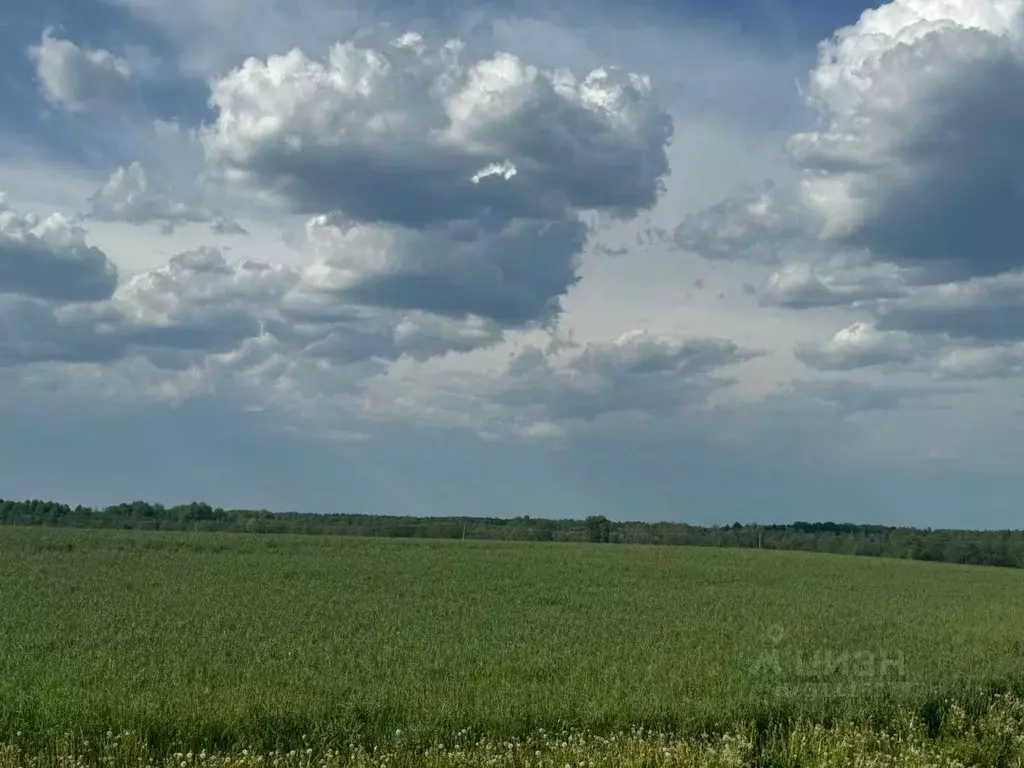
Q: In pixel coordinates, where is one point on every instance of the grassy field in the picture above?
(222, 641)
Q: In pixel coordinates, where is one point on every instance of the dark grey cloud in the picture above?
(907, 206)
(919, 160)
(916, 169)
(207, 332)
(195, 306)
(32, 330)
(986, 309)
(320, 326)
(198, 305)
(638, 373)
(513, 276)
(49, 258)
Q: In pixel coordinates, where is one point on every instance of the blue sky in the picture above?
(705, 262)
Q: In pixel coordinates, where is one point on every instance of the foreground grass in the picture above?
(992, 738)
(220, 642)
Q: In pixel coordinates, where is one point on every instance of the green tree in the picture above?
(599, 528)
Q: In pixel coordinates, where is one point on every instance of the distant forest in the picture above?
(1000, 548)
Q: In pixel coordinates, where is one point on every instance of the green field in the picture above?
(224, 641)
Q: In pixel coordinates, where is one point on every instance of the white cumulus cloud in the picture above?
(800, 285)
(129, 196)
(439, 182)
(397, 133)
(76, 78)
(861, 345)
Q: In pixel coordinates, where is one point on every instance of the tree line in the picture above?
(1000, 548)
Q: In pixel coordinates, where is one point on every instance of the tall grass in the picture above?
(220, 642)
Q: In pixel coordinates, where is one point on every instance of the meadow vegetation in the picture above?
(189, 648)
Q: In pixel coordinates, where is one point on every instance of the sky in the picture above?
(757, 260)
